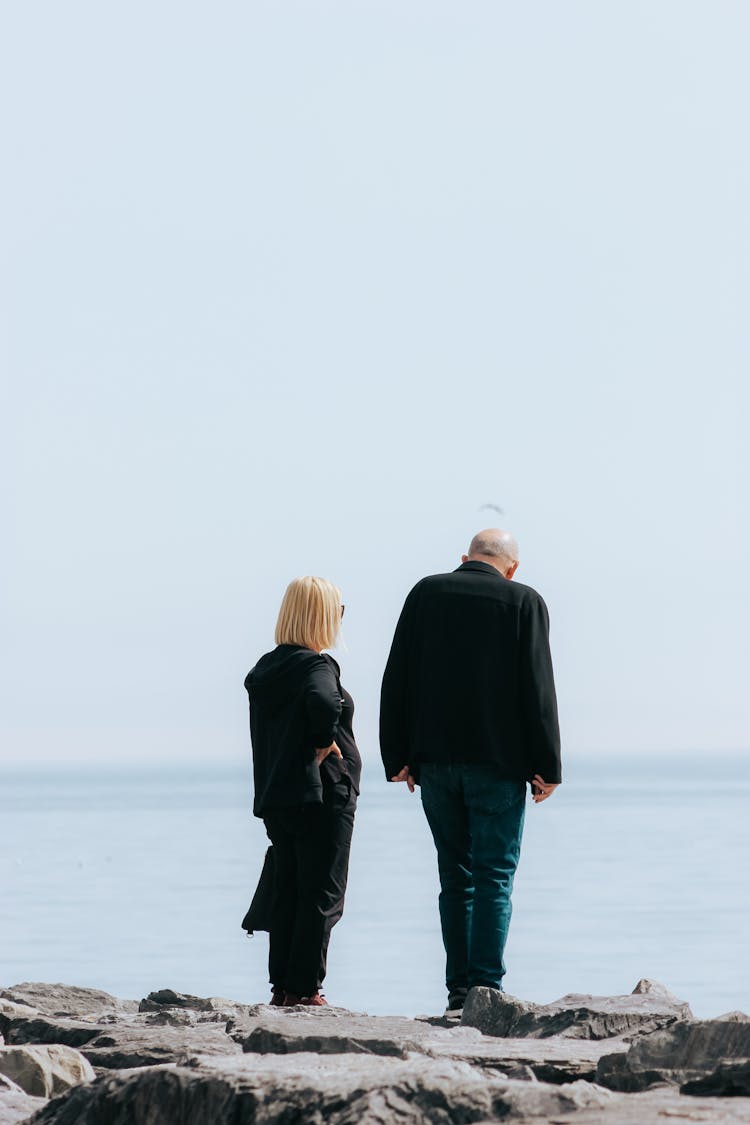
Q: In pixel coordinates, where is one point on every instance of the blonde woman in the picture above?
(306, 769)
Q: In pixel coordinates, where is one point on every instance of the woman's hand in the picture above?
(326, 750)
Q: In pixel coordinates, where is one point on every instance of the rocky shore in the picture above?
(77, 1056)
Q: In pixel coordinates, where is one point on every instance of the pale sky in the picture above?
(296, 288)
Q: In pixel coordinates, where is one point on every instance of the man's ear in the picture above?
(464, 558)
(511, 571)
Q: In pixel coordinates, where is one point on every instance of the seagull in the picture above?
(494, 507)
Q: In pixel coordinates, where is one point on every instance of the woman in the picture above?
(306, 768)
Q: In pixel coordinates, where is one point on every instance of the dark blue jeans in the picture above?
(476, 819)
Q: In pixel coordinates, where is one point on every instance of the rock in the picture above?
(648, 1008)
(15, 1106)
(553, 1059)
(338, 1032)
(680, 1055)
(200, 1060)
(659, 1107)
(45, 1071)
(287, 1031)
(10, 1009)
(729, 1080)
(166, 998)
(494, 1012)
(267, 1089)
(647, 987)
(46, 1029)
(170, 1005)
(68, 1000)
(119, 1048)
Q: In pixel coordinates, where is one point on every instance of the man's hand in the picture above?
(326, 750)
(404, 775)
(540, 789)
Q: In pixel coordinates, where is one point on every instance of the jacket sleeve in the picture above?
(538, 699)
(394, 695)
(323, 704)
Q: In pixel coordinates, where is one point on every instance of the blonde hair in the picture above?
(310, 614)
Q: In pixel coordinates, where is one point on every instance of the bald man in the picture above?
(468, 712)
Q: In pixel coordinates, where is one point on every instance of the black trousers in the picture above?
(311, 845)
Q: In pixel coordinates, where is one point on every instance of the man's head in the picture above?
(496, 547)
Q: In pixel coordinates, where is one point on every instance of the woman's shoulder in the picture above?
(331, 663)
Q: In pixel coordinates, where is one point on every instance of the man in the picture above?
(468, 711)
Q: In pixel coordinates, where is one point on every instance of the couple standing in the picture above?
(468, 712)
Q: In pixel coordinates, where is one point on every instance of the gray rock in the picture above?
(120, 1048)
(45, 1071)
(679, 1055)
(495, 1013)
(170, 1005)
(287, 1031)
(15, 1106)
(553, 1059)
(10, 1009)
(67, 1000)
(728, 1080)
(648, 1008)
(129, 1042)
(296, 1030)
(659, 1107)
(47, 1029)
(335, 1090)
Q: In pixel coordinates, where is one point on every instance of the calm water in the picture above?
(137, 881)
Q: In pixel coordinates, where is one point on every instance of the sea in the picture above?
(134, 880)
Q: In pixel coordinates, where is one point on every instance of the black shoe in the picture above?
(456, 1000)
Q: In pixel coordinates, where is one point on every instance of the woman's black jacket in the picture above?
(295, 705)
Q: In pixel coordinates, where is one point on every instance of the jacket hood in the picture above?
(279, 673)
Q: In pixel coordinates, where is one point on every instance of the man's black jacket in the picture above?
(469, 677)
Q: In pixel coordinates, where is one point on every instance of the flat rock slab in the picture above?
(554, 1059)
(288, 1031)
(285, 1031)
(335, 1090)
(67, 1000)
(658, 1107)
(121, 1048)
(680, 1055)
(15, 1106)
(648, 1008)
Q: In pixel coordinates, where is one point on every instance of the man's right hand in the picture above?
(326, 750)
(541, 789)
(404, 775)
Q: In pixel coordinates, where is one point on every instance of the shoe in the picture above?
(317, 1000)
(456, 1002)
(277, 997)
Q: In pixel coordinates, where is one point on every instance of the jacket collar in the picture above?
(482, 568)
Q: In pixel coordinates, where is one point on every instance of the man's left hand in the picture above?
(541, 789)
(404, 775)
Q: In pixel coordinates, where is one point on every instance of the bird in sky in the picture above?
(494, 507)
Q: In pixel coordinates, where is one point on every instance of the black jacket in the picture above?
(295, 705)
(469, 677)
